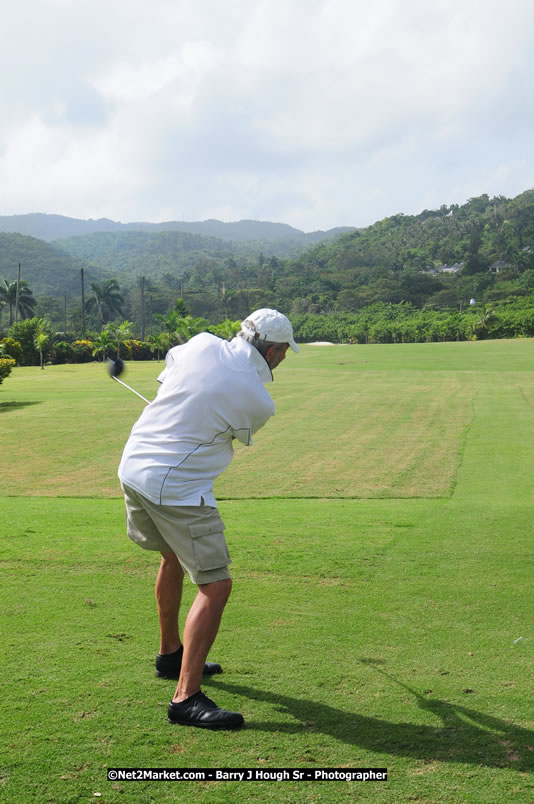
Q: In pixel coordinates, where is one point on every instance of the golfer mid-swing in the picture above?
(211, 392)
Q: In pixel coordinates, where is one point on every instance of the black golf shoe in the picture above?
(201, 711)
(168, 665)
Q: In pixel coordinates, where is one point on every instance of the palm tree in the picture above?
(120, 333)
(481, 325)
(227, 329)
(107, 300)
(159, 343)
(188, 327)
(43, 338)
(104, 344)
(41, 344)
(8, 295)
(168, 322)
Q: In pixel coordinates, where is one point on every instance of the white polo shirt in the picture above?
(212, 390)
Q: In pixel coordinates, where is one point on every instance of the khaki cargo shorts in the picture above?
(195, 533)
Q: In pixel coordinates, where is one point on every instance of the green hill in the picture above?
(127, 255)
(488, 244)
(48, 270)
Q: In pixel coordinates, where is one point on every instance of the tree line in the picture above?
(403, 323)
(32, 341)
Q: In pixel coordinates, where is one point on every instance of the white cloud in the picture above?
(314, 112)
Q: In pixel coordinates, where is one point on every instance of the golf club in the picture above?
(116, 367)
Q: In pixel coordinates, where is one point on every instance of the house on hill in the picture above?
(497, 267)
(450, 269)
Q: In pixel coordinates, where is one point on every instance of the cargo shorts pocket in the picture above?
(209, 546)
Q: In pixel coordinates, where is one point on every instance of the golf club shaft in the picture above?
(132, 390)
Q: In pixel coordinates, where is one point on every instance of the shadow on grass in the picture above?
(5, 407)
(462, 734)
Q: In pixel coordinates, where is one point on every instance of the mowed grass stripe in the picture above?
(371, 437)
(496, 467)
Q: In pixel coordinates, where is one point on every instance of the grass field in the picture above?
(381, 536)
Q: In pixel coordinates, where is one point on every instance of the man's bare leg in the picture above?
(200, 630)
(169, 584)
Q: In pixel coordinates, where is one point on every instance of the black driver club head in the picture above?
(115, 367)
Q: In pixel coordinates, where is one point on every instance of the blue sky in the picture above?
(316, 113)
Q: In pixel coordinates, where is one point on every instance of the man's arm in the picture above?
(250, 421)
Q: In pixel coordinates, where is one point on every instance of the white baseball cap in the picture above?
(270, 325)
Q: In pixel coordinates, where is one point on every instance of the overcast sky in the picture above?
(316, 113)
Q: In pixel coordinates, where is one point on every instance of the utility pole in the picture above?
(83, 305)
(65, 316)
(142, 308)
(17, 296)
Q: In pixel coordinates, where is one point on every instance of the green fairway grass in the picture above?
(350, 422)
(377, 624)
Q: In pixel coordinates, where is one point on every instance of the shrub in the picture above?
(13, 349)
(125, 350)
(63, 352)
(138, 350)
(226, 329)
(83, 351)
(6, 365)
(24, 332)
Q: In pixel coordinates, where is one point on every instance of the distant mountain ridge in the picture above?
(52, 227)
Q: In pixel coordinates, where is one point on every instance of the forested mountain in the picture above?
(485, 228)
(439, 259)
(129, 254)
(46, 269)
(53, 227)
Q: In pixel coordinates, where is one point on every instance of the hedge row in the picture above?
(80, 351)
